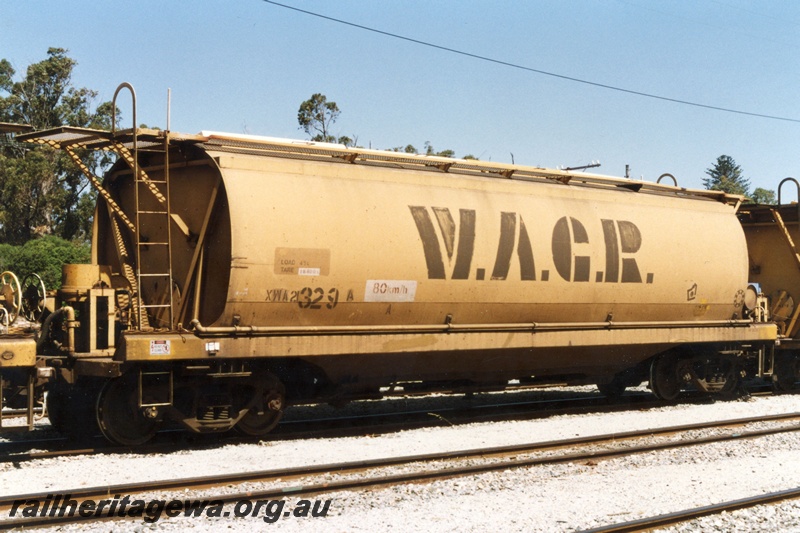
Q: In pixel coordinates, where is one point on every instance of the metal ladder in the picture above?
(150, 220)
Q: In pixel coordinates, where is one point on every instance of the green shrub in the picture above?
(43, 256)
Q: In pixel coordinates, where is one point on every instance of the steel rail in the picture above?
(645, 524)
(181, 485)
(18, 451)
(338, 426)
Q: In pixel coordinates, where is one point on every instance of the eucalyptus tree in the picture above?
(43, 192)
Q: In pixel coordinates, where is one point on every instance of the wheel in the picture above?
(71, 408)
(731, 389)
(613, 389)
(119, 416)
(266, 407)
(664, 380)
(787, 373)
(34, 297)
(57, 410)
(11, 295)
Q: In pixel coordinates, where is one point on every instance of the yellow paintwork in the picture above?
(17, 351)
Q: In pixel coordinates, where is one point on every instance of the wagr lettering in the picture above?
(449, 252)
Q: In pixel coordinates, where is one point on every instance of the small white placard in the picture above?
(308, 271)
(160, 347)
(390, 290)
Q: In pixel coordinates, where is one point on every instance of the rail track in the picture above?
(9, 414)
(29, 449)
(362, 475)
(669, 519)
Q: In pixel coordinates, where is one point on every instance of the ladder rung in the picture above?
(155, 274)
(153, 243)
(155, 305)
(153, 213)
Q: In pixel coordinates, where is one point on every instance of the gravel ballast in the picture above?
(564, 497)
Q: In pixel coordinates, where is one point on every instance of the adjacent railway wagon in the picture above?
(772, 232)
(233, 275)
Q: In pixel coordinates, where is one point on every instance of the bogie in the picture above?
(120, 416)
(786, 377)
(695, 368)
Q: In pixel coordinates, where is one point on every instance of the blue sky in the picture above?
(246, 66)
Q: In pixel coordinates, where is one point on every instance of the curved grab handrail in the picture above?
(123, 85)
(784, 180)
(667, 175)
